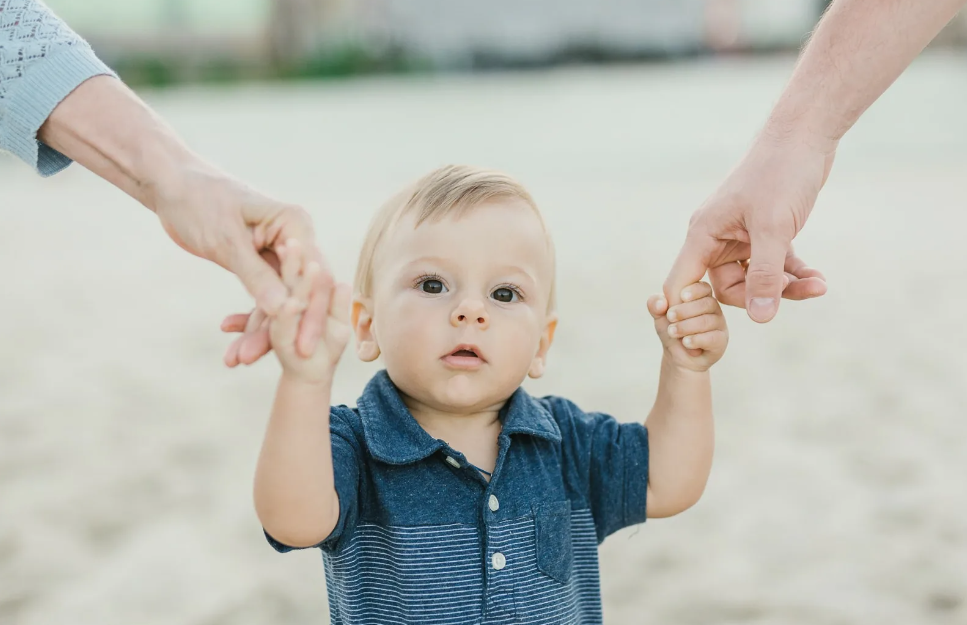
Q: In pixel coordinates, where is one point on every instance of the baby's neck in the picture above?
(450, 426)
(474, 434)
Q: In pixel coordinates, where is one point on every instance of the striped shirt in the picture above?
(423, 537)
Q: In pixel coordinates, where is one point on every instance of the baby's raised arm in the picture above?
(680, 426)
(295, 496)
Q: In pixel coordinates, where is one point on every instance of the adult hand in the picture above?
(742, 235)
(216, 217)
(104, 126)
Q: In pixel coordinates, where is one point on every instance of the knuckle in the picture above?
(696, 218)
(765, 273)
(295, 213)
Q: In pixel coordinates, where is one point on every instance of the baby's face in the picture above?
(459, 307)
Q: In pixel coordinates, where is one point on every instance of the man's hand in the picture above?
(857, 50)
(743, 233)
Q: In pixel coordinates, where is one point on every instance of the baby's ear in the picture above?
(366, 346)
(540, 358)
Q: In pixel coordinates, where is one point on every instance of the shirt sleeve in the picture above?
(41, 62)
(346, 456)
(612, 458)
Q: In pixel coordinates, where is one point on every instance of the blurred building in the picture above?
(262, 34)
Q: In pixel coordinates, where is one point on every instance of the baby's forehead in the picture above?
(506, 232)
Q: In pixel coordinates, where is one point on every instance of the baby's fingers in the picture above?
(339, 305)
(657, 305)
(715, 340)
(292, 255)
(284, 328)
(706, 305)
(303, 288)
(695, 325)
(696, 291)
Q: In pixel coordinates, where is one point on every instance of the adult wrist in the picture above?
(105, 127)
(166, 171)
(803, 124)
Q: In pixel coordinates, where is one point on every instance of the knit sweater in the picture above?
(41, 61)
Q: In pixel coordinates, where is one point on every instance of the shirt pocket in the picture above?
(552, 526)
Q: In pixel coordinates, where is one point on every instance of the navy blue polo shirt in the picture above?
(422, 537)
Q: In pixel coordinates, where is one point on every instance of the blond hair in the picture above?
(452, 190)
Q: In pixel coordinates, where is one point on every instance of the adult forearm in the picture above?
(681, 439)
(295, 495)
(105, 127)
(858, 49)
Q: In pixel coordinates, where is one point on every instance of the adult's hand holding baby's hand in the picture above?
(742, 235)
(299, 273)
(216, 217)
(693, 333)
(104, 126)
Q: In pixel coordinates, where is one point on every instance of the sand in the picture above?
(837, 495)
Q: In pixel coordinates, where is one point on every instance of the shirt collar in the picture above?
(394, 437)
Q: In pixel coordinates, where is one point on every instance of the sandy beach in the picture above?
(837, 496)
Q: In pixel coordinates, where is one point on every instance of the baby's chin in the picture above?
(468, 392)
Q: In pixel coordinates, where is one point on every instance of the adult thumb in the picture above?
(260, 279)
(764, 278)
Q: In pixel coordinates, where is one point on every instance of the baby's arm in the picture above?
(680, 426)
(295, 496)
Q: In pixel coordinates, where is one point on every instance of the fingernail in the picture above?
(687, 341)
(661, 303)
(762, 308)
(672, 316)
(672, 331)
(686, 295)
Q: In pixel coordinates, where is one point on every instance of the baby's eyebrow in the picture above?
(512, 269)
(422, 260)
(445, 262)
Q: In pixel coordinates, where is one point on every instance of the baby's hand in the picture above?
(693, 333)
(298, 276)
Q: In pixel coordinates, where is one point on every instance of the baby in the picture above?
(449, 494)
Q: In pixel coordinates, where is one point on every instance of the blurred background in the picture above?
(127, 449)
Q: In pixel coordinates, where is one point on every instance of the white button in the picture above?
(499, 561)
(493, 503)
(453, 461)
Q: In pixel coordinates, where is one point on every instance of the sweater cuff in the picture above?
(34, 97)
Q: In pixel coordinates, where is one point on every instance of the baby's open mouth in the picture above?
(465, 357)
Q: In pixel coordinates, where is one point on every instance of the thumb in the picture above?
(689, 268)
(260, 279)
(765, 277)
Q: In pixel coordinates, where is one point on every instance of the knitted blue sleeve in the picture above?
(41, 62)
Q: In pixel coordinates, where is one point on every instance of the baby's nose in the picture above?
(470, 311)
